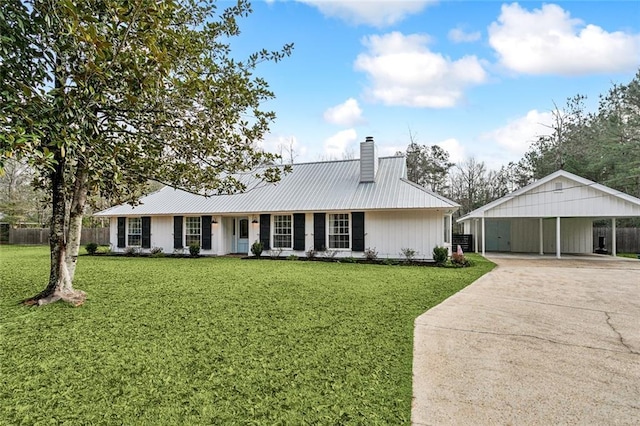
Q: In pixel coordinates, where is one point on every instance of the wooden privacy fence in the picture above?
(38, 236)
(627, 239)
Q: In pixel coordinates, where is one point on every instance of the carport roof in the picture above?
(561, 194)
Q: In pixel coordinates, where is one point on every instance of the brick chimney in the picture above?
(368, 160)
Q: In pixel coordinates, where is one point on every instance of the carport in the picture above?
(552, 215)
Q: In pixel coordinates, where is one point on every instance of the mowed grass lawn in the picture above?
(214, 340)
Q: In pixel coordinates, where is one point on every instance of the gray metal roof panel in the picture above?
(322, 186)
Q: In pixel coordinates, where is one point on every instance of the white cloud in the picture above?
(458, 35)
(456, 150)
(339, 144)
(346, 114)
(548, 40)
(378, 13)
(403, 71)
(517, 135)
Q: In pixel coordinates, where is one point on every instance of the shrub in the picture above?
(157, 252)
(329, 254)
(408, 253)
(194, 250)
(370, 253)
(389, 262)
(275, 253)
(458, 259)
(92, 248)
(440, 255)
(311, 253)
(131, 251)
(256, 248)
(349, 259)
(292, 257)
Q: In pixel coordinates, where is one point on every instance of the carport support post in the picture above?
(613, 237)
(541, 233)
(482, 235)
(475, 236)
(558, 237)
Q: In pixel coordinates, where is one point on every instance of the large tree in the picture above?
(427, 165)
(603, 146)
(101, 96)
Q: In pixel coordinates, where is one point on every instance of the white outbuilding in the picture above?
(552, 215)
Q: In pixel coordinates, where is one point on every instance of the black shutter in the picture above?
(177, 232)
(265, 230)
(146, 231)
(206, 232)
(298, 231)
(319, 232)
(122, 232)
(357, 231)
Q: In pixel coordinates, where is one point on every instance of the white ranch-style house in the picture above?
(552, 215)
(343, 206)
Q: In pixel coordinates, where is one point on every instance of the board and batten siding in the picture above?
(389, 232)
(161, 235)
(573, 200)
(576, 234)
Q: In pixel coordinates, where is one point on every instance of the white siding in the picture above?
(574, 200)
(525, 236)
(308, 233)
(576, 235)
(389, 232)
(386, 231)
(162, 233)
(113, 233)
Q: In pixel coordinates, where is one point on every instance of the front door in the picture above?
(243, 235)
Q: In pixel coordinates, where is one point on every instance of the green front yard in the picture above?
(214, 340)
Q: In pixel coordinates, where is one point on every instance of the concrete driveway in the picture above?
(535, 341)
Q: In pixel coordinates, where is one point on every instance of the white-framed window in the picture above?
(134, 232)
(192, 230)
(339, 235)
(282, 231)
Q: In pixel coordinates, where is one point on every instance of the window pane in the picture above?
(339, 230)
(244, 228)
(134, 234)
(192, 234)
(282, 231)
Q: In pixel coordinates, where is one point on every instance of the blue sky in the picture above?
(478, 78)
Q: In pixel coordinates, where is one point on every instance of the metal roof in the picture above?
(320, 186)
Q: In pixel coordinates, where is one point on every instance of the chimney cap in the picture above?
(369, 139)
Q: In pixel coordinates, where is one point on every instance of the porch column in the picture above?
(558, 237)
(475, 236)
(451, 231)
(613, 237)
(483, 234)
(541, 233)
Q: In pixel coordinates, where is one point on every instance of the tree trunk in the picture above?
(60, 283)
(76, 214)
